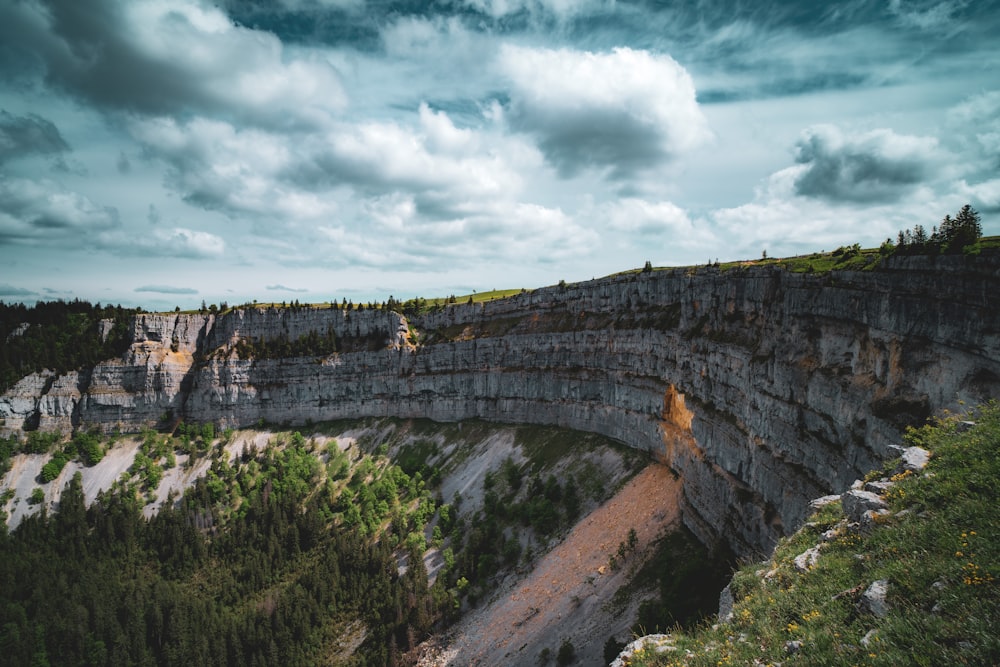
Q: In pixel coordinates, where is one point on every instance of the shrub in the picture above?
(566, 654)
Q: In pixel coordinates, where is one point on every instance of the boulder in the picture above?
(873, 599)
(856, 503)
(914, 459)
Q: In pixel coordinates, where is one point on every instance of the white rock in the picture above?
(873, 599)
(806, 560)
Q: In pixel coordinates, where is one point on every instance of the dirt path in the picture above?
(564, 596)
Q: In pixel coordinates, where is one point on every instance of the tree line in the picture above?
(952, 237)
(58, 335)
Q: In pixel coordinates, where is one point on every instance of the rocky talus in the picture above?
(761, 388)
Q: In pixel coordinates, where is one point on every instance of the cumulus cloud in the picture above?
(43, 210)
(166, 289)
(783, 222)
(46, 212)
(176, 242)
(256, 174)
(181, 242)
(27, 135)
(171, 56)
(984, 196)
(876, 166)
(625, 111)
(217, 167)
(666, 221)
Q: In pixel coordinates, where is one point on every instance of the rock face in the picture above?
(760, 387)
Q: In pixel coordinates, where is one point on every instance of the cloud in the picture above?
(282, 288)
(662, 222)
(45, 213)
(262, 176)
(218, 167)
(625, 111)
(10, 290)
(171, 56)
(43, 210)
(176, 242)
(925, 15)
(975, 122)
(782, 221)
(123, 165)
(559, 8)
(166, 289)
(876, 166)
(28, 135)
(306, 5)
(984, 196)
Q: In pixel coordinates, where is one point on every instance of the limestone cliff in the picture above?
(762, 388)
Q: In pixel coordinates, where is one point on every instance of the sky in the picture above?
(168, 152)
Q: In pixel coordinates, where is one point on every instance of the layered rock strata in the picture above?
(760, 387)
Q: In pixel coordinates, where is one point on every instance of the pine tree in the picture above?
(968, 229)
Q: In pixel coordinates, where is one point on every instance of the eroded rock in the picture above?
(873, 599)
(806, 560)
(856, 503)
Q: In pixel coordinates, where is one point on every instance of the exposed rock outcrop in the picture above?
(762, 388)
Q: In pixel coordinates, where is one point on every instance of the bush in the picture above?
(52, 469)
(88, 447)
(566, 654)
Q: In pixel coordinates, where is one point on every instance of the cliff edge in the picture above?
(760, 387)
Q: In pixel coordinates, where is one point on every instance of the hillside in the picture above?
(916, 582)
(347, 545)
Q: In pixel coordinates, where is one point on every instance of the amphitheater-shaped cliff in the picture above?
(760, 387)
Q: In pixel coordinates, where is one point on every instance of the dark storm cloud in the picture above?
(29, 135)
(594, 139)
(878, 166)
(145, 58)
(165, 289)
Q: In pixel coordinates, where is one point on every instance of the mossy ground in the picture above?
(939, 550)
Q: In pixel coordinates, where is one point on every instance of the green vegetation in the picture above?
(257, 564)
(685, 577)
(84, 447)
(420, 305)
(312, 344)
(520, 508)
(953, 237)
(60, 336)
(938, 549)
